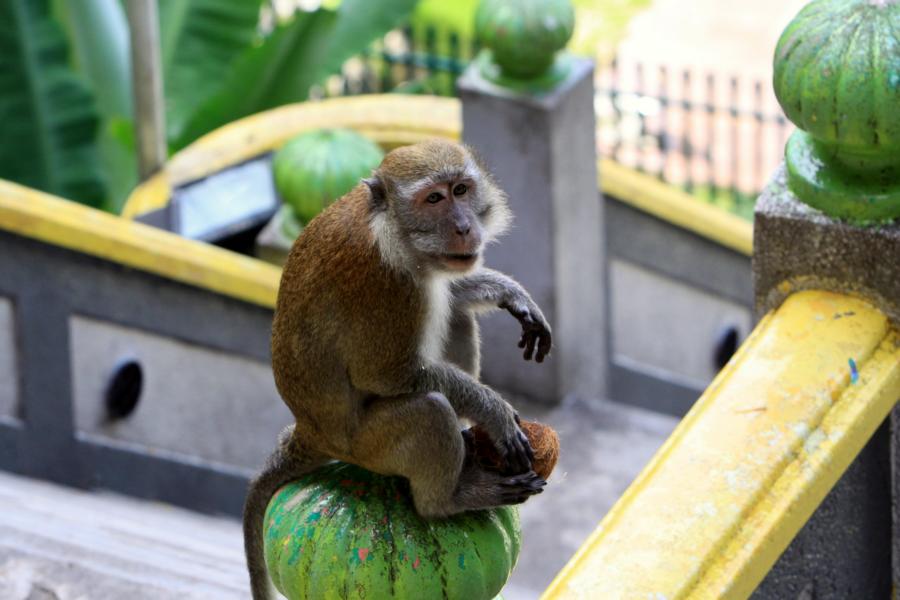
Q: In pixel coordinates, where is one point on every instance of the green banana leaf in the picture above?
(97, 31)
(296, 56)
(200, 42)
(49, 132)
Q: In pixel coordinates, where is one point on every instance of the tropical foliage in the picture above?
(65, 82)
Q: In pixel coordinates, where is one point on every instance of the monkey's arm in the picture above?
(489, 288)
(469, 399)
(479, 403)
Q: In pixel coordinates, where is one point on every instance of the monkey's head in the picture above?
(434, 206)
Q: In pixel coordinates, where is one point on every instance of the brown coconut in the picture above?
(544, 442)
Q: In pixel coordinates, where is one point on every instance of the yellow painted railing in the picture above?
(746, 468)
(393, 120)
(36, 215)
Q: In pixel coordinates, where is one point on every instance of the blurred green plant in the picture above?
(599, 24)
(49, 131)
(65, 84)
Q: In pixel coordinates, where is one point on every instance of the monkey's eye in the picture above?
(434, 198)
(460, 189)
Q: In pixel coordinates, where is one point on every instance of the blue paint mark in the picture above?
(854, 372)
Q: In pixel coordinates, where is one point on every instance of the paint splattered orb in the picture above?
(343, 532)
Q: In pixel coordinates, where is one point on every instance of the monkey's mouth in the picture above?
(459, 260)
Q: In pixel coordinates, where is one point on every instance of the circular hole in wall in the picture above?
(124, 389)
(727, 343)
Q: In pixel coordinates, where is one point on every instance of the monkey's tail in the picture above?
(288, 462)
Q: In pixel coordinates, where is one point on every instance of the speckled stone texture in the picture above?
(797, 247)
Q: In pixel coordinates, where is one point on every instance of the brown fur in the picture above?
(331, 295)
(349, 339)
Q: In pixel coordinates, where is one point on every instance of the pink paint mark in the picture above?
(362, 553)
(416, 563)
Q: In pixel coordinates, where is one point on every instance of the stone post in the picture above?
(829, 220)
(531, 116)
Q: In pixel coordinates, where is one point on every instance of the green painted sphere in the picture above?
(837, 77)
(524, 35)
(317, 167)
(343, 532)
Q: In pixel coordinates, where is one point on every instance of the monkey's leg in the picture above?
(289, 461)
(463, 343)
(418, 437)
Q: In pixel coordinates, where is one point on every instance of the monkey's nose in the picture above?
(463, 229)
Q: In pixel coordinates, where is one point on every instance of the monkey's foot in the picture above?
(519, 488)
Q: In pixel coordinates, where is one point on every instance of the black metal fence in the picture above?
(718, 137)
(426, 61)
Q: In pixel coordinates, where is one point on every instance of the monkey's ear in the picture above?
(377, 193)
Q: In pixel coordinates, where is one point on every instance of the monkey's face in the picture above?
(445, 224)
(435, 207)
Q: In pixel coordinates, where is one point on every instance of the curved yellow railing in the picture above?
(393, 120)
(389, 119)
(721, 500)
(36, 215)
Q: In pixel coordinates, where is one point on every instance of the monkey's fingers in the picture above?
(529, 345)
(544, 346)
(516, 454)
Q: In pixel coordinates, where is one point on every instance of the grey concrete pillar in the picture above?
(542, 149)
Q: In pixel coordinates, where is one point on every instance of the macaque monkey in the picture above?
(375, 346)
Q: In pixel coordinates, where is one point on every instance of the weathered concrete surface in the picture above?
(797, 247)
(663, 369)
(603, 447)
(61, 544)
(542, 150)
(198, 402)
(663, 323)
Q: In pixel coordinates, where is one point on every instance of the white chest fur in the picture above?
(437, 318)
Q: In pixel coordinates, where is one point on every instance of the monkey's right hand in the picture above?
(511, 443)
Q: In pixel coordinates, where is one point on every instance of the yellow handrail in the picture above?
(395, 119)
(746, 468)
(36, 215)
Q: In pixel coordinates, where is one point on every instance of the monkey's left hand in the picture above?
(535, 329)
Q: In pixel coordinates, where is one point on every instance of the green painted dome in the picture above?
(317, 167)
(343, 532)
(837, 77)
(524, 36)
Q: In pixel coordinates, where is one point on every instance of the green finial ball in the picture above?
(342, 532)
(837, 77)
(317, 167)
(524, 35)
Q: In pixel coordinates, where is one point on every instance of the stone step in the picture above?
(58, 543)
